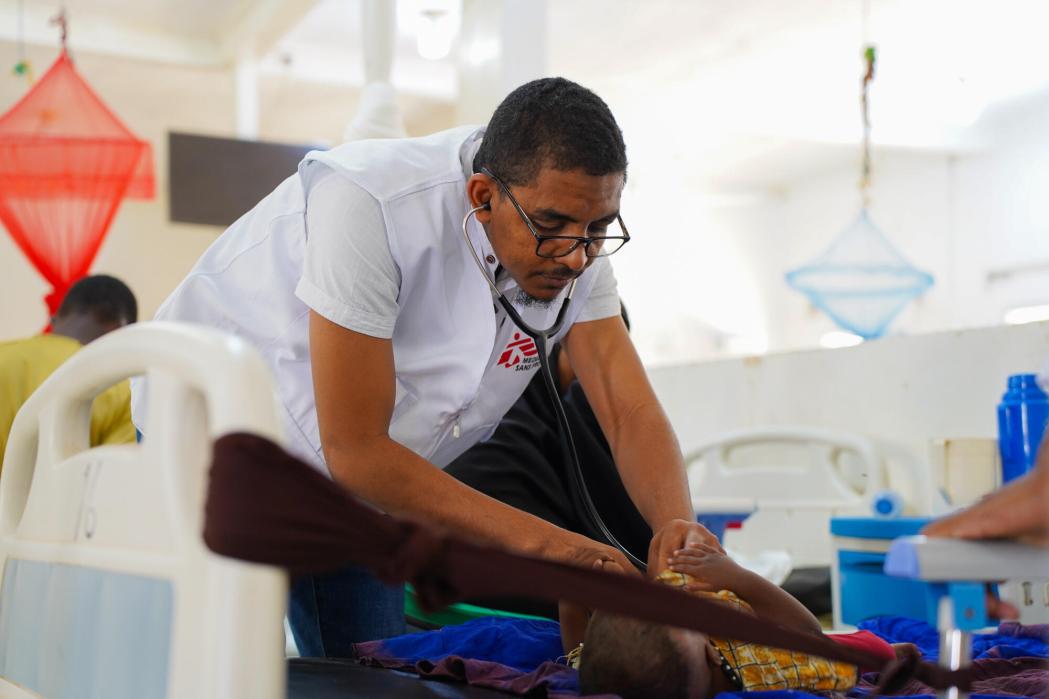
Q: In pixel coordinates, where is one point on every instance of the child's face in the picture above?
(695, 648)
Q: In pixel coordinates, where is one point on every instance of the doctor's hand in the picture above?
(580, 551)
(675, 535)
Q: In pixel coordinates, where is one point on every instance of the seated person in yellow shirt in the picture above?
(632, 658)
(92, 307)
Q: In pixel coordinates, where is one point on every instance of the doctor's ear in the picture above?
(479, 192)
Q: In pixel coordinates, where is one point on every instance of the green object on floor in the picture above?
(452, 614)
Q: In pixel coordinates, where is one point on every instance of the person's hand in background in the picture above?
(1017, 512)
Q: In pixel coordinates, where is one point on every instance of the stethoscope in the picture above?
(541, 339)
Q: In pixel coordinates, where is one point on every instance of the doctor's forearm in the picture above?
(649, 460)
(398, 481)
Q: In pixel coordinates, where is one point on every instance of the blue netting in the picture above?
(861, 281)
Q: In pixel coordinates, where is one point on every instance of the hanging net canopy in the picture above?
(66, 162)
(861, 281)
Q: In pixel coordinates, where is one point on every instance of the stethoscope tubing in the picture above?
(541, 339)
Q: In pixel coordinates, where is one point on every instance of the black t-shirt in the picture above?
(524, 465)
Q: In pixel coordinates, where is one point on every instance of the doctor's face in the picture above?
(557, 203)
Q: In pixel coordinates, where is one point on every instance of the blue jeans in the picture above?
(329, 613)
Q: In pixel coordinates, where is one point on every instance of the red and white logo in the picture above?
(518, 350)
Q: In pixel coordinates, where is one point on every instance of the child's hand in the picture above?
(711, 568)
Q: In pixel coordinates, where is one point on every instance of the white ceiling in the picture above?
(202, 19)
(749, 92)
(758, 90)
(325, 46)
(193, 32)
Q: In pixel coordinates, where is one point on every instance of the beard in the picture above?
(525, 300)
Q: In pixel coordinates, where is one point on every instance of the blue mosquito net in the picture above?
(861, 281)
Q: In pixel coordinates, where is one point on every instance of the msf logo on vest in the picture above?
(520, 354)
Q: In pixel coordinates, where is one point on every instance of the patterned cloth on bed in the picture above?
(765, 668)
(519, 656)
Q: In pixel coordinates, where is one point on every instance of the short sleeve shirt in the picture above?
(349, 275)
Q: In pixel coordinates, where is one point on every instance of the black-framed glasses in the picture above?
(613, 238)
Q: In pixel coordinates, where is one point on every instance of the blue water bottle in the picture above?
(1022, 416)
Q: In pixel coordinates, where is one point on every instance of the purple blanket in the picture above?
(548, 680)
(1014, 677)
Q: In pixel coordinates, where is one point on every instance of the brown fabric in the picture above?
(266, 506)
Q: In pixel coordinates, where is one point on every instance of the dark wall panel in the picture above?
(215, 180)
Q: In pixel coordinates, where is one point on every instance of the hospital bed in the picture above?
(108, 591)
(787, 482)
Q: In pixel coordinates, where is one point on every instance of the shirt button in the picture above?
(490, 259)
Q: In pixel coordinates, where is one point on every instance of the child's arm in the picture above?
(574, 620)
(713, 571)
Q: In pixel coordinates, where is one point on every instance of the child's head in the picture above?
(641, 660)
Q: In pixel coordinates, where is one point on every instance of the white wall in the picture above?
(959, 217)
(902, 391)
(704, 275)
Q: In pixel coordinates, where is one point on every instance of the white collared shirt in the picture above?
(349, 275)
(369, 236)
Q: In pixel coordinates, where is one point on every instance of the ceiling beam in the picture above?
(106, 35)
(255, 33)
(262, 27)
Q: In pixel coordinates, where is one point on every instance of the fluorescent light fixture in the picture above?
(839, 338)
(435, 24)
(436, 33)
(1027, 314)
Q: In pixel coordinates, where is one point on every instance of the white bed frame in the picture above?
(795, 480)
(108, 590)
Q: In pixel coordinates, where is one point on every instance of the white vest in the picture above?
(460, 364)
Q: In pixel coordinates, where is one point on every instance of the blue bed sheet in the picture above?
(524, 645)
(896, 629)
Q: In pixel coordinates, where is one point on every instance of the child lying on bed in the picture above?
(635, 658)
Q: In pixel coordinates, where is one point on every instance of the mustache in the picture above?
(564, 274)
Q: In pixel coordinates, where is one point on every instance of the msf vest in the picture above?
(460, 364)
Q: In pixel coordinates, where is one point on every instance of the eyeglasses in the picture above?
(613, 237)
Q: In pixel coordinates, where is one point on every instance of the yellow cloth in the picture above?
(764, 668)
(25, 364)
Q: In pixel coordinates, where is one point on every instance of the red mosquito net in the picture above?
(66, 161)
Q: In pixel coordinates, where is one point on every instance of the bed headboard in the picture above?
(107, 589)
